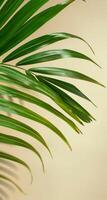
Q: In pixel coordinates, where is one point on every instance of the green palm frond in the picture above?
(18, 20)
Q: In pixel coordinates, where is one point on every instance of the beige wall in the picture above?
(82, 174)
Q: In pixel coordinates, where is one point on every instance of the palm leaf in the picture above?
(29, 27)
(11, 181)
(25, 112)
(1, 2)
(20, 17)
(52, 55)
(7, 139)
(67, 86)
(6, 156)
(40, 42)
(64, 73)
(8, 10)
(15, 78)
(32, 99)
(21, 127)
(73, 105)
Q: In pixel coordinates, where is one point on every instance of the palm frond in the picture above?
(40, 42)
(18, 20)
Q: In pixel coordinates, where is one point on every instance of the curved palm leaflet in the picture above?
(18, 20)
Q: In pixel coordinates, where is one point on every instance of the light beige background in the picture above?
(82, 174)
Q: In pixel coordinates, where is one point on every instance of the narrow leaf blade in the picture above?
(40, 42)
(64, 73)
(26, 97)
(67, 86)
(52, 55)
(3, 177)
(31, 26)
(20, 17)
(21, 127)
(12, 158)
(11, 140)
(8, 10)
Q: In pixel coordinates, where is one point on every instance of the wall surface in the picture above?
(82, 174)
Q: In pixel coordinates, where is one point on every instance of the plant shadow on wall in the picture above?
(15, 78)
